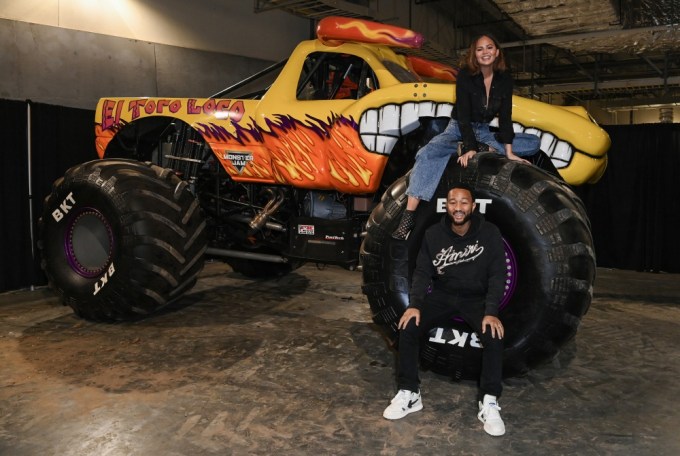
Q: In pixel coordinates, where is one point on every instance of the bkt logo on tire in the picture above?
(103, 280)
(481, 204)
(64, 207)
(452, 336)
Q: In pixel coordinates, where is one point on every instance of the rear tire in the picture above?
(550, 257)
(121, 239)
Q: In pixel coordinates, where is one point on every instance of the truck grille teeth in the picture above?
(559, 151)
(380, 129)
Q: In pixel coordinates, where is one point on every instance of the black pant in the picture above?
(438, 310)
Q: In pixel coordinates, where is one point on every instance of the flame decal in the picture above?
(334, 30)
(428, 68)
(313, 154)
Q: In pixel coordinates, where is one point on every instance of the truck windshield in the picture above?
(335, 76)
(253, 87)
(399, 72)
(355, 73)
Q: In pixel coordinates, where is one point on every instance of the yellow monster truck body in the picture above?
(308, 160)
(325, 142)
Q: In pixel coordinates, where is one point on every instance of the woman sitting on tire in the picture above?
(483, 91)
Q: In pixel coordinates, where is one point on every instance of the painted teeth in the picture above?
(559, 151)
(380, 129)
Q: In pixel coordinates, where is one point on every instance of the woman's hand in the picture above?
(512, 156)
(463, 159)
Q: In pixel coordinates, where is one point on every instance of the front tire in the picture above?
(121, 239)
(549, 253)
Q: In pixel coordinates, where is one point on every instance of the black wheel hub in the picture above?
(89, 243)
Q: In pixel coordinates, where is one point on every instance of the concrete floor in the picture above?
(294, 366)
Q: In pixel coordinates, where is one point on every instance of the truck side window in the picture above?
(332, 76)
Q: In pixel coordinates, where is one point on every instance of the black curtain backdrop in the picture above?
(61, 137)
(635, 208)
(16, 265)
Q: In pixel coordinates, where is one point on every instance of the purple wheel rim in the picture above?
(510, 278)
(511, 275)
(88, 243)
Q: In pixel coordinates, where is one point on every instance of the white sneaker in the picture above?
(404, 402)
(488, 414)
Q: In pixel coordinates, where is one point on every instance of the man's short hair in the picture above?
(464, 186)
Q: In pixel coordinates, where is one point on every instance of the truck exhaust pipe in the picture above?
(267, 211)
(226, 253)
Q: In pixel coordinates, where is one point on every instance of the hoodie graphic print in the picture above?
(468, 266)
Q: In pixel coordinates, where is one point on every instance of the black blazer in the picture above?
(471, 105)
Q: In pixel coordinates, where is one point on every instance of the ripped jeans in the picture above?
(431, 159)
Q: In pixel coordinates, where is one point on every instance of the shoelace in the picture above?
(403, 396)
(488, 407)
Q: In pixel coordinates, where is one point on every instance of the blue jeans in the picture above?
(431, 159)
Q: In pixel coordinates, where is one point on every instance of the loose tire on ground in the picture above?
(549, 253)
(120, 239)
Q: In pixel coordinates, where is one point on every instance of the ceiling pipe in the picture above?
(606, 85)
(554, 39)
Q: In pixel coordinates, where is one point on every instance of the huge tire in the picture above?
(120, 239)
(549, 253)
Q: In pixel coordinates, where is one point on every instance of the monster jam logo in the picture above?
(239, 160)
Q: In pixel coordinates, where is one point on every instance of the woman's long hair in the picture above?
(469, 59)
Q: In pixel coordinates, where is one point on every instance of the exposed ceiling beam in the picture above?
(578, 65)
(556, 39)
(316, 9)
(651, 64)
(607, 85)
(654, 102)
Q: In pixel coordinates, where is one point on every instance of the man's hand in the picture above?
(410, 313)
(494, 325)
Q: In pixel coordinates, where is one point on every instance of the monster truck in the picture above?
(307, 161)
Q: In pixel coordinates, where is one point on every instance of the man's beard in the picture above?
(463, 222)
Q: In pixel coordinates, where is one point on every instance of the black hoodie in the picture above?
(468, 266)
